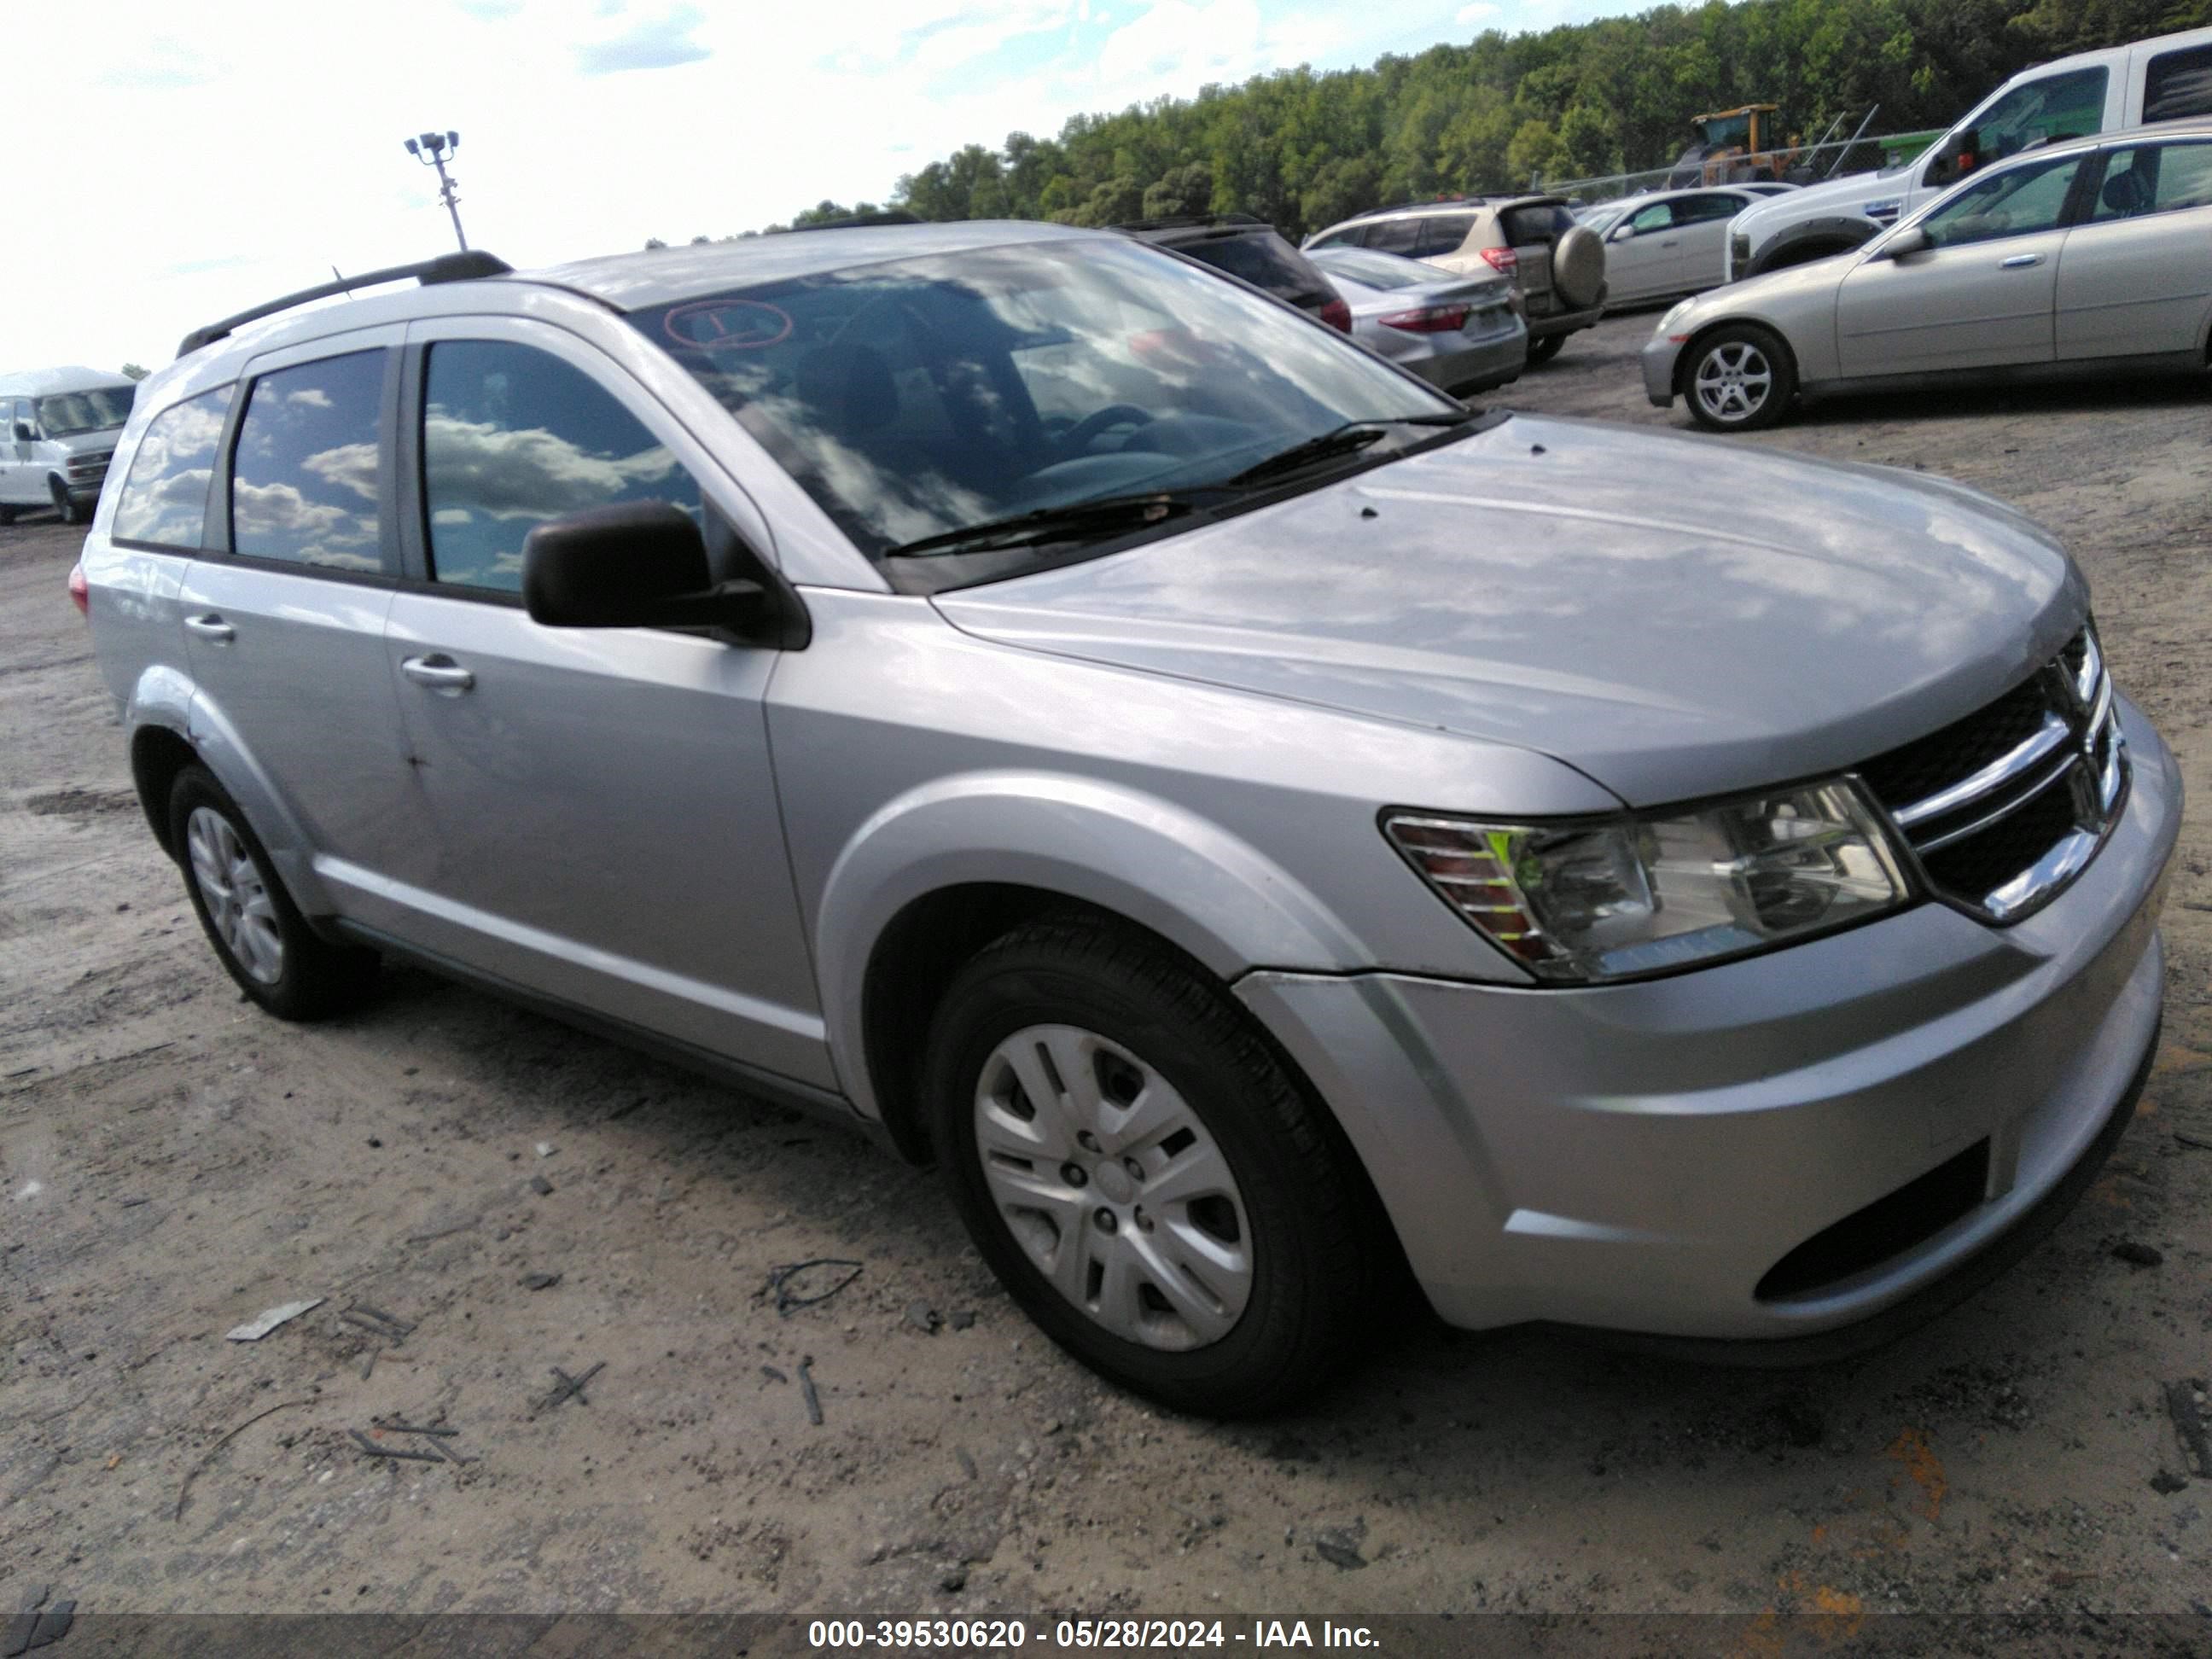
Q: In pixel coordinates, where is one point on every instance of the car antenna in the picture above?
(340, 274)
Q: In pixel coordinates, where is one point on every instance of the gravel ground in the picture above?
(173, 1163)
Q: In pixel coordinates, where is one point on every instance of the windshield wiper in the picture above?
(1344, 439)
(1103, 515)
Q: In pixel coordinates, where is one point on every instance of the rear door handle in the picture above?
(439, 671)
(211, 626)
(2020, 261)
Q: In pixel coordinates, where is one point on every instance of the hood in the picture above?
(1675, 617)
(1852, 194)
(94, 443)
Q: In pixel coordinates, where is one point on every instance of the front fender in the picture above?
(1208, 892)
(1849, 230)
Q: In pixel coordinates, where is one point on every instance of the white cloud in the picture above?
(1480, 14)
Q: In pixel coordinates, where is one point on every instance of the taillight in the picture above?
(1430, 319)
(80, 593)
(1502, 260)
(1337, 314)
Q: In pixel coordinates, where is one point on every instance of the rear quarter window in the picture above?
(2178, 84)
(164, 501)
(1542, 224)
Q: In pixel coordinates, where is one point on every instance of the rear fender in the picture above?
(216, 742)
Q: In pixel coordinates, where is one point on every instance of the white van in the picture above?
(57, 431)
(2161, 80)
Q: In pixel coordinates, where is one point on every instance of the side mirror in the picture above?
(1905, 243)
(24, 435)
(640, 564)
(1621, 231)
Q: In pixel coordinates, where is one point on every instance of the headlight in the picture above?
(1620, 899)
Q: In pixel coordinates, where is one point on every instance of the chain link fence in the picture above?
(1806, 164)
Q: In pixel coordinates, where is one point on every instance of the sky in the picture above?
(176, 163)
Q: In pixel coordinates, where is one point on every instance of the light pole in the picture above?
(439, 145)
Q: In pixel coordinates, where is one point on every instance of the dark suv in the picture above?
(1248, 248)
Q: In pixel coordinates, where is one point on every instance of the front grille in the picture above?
(2005, 807)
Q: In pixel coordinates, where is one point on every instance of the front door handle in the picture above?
(437, 670)
(2019, 262)
(210, 626)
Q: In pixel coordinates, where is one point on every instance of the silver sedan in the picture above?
(2075, 259)
(1465, 334)
(1670, 242)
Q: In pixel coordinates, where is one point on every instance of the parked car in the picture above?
(1558, 266)
(61, 430)
(1252, 252)
(1466, 334)
(2167, 79)
(2093, 258)
(1670, 242)
(1263, 826)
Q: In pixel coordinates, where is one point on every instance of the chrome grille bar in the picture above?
(2023, 757)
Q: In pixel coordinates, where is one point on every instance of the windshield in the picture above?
(103, 409)
(923, 397)
(1599, 220)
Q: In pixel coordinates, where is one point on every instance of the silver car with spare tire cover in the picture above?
(1559, 265)
(1267, 831)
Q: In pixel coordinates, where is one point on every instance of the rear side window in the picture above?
(1265, 261)
(307, 484)
(164, 501)
(1703, 209)
(2153, 178)
(1401, 236)
(2178, 83)
(1443, 233)
(513, 437)
(1542, 224)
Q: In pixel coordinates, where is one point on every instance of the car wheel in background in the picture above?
(1142, 1172)
(1543, 349)
(65, 509)
(1578, 267)
(8, 514)
(1739, 378)
(258, 933)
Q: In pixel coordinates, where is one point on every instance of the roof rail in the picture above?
(1186, 220)
(446, 268)
(857, 221)
(1429, 201)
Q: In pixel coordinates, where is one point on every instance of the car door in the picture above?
(1701, 225)
(1642, 255)
(1980, 294)
(601, 824)
(18, 467)
(284, 615)
(2135, 274)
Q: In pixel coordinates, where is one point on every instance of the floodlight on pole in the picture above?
(439, 145)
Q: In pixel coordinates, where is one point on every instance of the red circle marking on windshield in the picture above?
(727, 325)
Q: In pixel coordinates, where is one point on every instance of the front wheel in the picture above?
(1739, 378)
(1143, 1173)
(258, 933)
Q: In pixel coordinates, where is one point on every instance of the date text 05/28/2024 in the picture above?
(1170, 1635)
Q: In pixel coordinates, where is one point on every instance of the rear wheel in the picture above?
(258, 933)
(1543, 348)
(1156, 1190)
(1739, 378)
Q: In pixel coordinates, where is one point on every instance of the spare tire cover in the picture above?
(1578, 267)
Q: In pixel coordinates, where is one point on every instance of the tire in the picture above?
(1543, 350)
(8, 514)
(258, 933)
(1578, 267)
(1177, 1094)
(66, 507)
(1739, 378)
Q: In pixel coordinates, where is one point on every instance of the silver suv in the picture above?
(1262, 828)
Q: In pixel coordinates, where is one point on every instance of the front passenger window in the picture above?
(513, 437)
(2018, 202)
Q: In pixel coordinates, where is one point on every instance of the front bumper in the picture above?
(1659, 358)
(1639, 1158)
